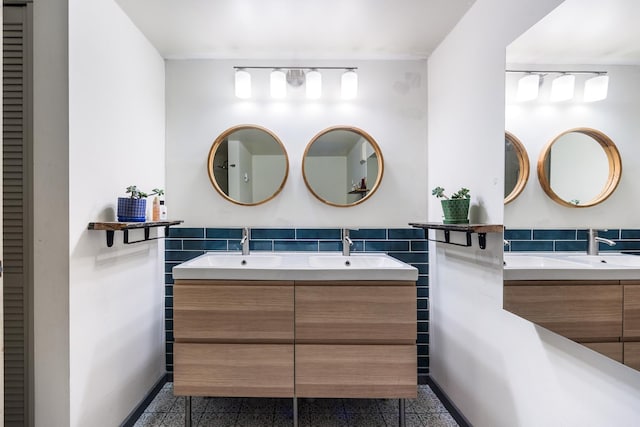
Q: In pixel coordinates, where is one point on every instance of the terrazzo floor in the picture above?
(167, 410)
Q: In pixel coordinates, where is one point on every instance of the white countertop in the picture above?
(570, 266)
(295, 266)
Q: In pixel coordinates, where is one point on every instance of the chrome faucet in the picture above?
(592, 244)
(346, 242)
(245, 241)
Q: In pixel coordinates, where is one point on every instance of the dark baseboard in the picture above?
(423, 379)
(138, 410)
(451, 407)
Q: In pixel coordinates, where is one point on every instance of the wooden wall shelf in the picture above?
(113, 226)
(469, 229)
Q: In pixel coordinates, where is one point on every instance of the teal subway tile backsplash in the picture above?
(554, 234)
(568, 240)
(408, 245)
(273, 233)
(318, 233)
(224, 233)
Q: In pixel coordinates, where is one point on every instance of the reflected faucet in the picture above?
(245, 241)
(592, 244)
(346, 242)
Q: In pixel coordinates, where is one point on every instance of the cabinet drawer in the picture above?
(234, 370)
(356, 314)
(612, 350)
(578, 312)
(361, 371)
(233, 312)
(631, 312)
(632, 355)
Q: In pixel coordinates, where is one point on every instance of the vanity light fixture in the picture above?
(349, 84)
(562, 88)
(281, 77)
(243, 84)
(596, 88)
(528, 87)
(278, 84)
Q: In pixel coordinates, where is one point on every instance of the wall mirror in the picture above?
(579, 168)
(516, 167)
(342, 166)
(248, 165)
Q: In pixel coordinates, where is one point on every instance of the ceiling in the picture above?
(583, 32)
(292, 29)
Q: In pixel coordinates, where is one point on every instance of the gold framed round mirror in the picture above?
(342, 166)
(579, 168)
(248, 165)
(516, 167)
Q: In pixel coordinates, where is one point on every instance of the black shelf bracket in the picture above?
(110, 234)
(447, 239)
(125, 236)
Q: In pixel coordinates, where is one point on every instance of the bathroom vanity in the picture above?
(591, 299)
(295, 325)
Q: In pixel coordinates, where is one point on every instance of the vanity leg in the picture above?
(187, 411)
(401, 415)
(295, 412)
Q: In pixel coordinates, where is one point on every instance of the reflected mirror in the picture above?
(248, 165)
(579, 168)
(342, 166)
(516, 167)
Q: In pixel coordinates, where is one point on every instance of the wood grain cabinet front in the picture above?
(582, 311)
(233, 311)
(631, 331)
(632, 354)
(240, 370)
(368, 312)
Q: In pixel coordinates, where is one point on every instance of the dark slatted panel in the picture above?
(13, 150)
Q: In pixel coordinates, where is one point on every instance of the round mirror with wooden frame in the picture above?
(342, 166)
(248, 165)
(516, 167)
(579, 168)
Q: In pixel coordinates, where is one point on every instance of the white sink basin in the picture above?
(618, 260)
(237, 261)
(353, 262)
(570, 266)
(531, 261)
(295, 266)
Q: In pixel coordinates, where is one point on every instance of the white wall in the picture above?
(499, 370)
(51, 213)
(536, 123)
(116, 139)
(391, 107)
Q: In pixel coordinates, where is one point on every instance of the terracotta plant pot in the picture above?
(456, 211)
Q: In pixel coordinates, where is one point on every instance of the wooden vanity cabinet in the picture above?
(601, 315)
(303, 339)
(356, 339)
(586, 311)
(233, 338)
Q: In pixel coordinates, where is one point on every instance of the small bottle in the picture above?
(155, 210)
(163, 211)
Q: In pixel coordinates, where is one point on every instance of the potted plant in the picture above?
(134, 207)
(456, 207)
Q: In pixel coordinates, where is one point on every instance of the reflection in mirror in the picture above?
(342, 166)
(579, 168)
(516, 167)
(248, 165)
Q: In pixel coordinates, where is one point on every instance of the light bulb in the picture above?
(314, 84)
(596, 88)
(349, 84)
(562, 88)
(243, 84)
(278, 84)
(528, 87)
